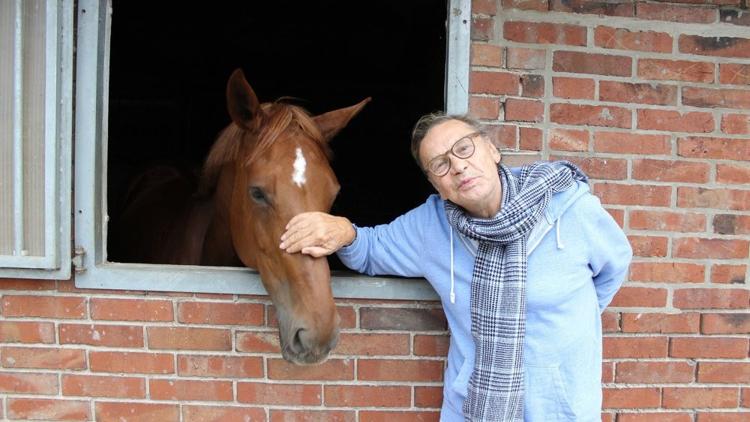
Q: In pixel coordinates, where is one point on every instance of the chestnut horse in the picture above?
(269, 164)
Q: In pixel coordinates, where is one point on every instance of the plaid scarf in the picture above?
(498, 286)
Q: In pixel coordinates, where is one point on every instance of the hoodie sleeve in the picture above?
(610, 252)
(389, 249)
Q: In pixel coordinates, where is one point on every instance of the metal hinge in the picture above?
(78, 255)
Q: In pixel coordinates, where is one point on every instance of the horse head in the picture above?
(271, 163)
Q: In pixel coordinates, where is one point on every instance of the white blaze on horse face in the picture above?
(298, 177)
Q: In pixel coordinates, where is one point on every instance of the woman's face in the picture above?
(473, 182)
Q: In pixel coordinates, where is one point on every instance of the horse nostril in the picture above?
(296, 345)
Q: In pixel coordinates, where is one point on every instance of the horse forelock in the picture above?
(273, 120)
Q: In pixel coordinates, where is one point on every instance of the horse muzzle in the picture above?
(304, 347)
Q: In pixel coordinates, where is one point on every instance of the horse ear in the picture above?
(332, 122)
(242, 103)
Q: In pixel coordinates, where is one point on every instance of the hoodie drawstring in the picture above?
(453, 293)
(557, 232)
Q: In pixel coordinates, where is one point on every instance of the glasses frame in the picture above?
(446, 154)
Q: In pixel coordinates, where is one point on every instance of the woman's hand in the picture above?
(317, 234)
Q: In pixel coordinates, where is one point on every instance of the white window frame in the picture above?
(93, 271)
(55, 263)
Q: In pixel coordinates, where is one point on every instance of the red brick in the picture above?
(635, 347)
(189, 338)
(608, 372)
(597, 64)
(735, 124)
(28, 383)
(618, 215)
(102, 335)
(538, 5)
(222, 414)
(43, 358)
(131, 362)
(402, 319)
(526, 58)
(259, 342)
(723, 417)
(724, 98)
(705, 147)
(692, 247)
(485, 7)
(136, 412)
(312, 416)
(502, 136)
(27, 332)
(667, 272)
(685, 323)
(49, 409)
(667, 221)
(624, 92)
(676, 70)
(573, 88)
(640, 297)
(497, 83)
(711, 298)
(103, 386)
(482, 29)
(545, 33)
(530, 139)
(220, 366)
(734, 74)
(182, 390)
(366, 344)
(715, 46)
(671, 171)
(369, 396)
(331, 369)
(348, 316)
(723, 199)
(723, 372)
(131, 310)
(725, 323)
(282, 394)
(629, 143)
(400, 416)
(624, 39)
(399, 370)
(631, 398)
(731, 224)
(532, 86)
(486, 55)
(61, 307)
(643, 372)
(691, 398)
(675, 13)
(674, 121)
(484, 107)
(568, 139)
(648, 246)
(524, 110)
(708, 347)
(728, 274)
(576, 114)
(732, 174)
(431, 345)
(605, 8)
(7, 284)
(654, 417)
(221, 313)
(642, 195)
(428, 397)
(610, 322)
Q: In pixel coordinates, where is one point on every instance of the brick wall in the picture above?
(643, 95)
(652, 100)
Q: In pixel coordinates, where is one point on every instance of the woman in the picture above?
(524, 261)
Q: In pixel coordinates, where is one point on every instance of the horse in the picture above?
(269, 164)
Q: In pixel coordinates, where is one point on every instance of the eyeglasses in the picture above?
(463, 148)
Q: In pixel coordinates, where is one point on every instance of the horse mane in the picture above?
(271, 121)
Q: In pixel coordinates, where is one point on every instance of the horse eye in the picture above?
(258, 195)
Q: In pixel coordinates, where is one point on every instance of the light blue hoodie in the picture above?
(577, 259)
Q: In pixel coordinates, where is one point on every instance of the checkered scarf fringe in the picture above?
(498, 286)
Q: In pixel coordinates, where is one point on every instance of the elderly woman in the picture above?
(524, 261)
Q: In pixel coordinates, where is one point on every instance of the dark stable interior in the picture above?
(170, 62)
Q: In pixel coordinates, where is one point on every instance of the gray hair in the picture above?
(428, 121)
